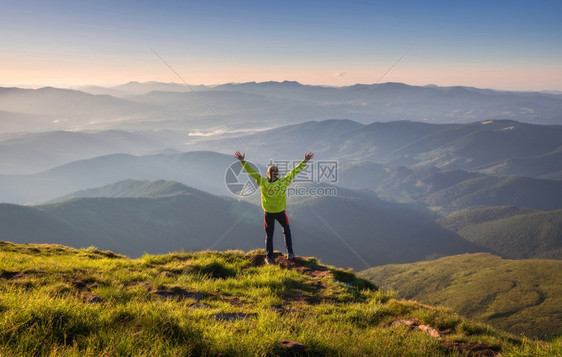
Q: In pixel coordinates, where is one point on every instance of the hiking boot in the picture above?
(268, 260)
(291, 256)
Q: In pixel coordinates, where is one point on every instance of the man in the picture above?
(274, 201)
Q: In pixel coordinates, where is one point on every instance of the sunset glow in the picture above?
(502, 44)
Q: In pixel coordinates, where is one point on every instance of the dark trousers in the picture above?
(269, 225)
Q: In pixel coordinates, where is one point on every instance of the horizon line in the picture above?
(81, 87)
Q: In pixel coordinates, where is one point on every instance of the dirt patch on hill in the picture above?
(298, 298)
(472, 349)
(84, 287)
(466, 349)
(10, 275)
(299, 264)
(305, 295)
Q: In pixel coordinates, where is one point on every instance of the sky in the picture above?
(499, 44)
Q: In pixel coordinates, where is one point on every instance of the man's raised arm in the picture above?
(249, 169)
(294, 172)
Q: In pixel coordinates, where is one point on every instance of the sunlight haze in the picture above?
(512, 45)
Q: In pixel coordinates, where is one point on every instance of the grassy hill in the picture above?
(511, 232)
(521, 296)
(61, 301)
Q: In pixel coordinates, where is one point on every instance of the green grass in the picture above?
(520, 296)
(60, 301)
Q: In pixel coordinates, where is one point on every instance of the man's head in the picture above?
(272, 172)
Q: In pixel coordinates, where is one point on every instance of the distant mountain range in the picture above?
(70, 109)
(252, 105)
(398, 101)
(491, 147)
(520, 296)
(138, 88)
(206, 171)
(29, 153)
(454, 189)
(202, 170)
(435, 164)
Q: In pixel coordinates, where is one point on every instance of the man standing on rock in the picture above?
(274, 201)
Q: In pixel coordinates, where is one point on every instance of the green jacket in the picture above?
(274, 194)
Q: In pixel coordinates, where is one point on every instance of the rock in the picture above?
(197, 296)
(415, 323)
(95, 300)
(292, 346)
(432, 331)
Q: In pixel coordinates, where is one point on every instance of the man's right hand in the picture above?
(239, 156)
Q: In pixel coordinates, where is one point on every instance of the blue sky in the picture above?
(489, 44)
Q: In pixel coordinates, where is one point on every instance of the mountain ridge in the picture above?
(511, 232)
(492, 147)
(133, 188)
(270, 103)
